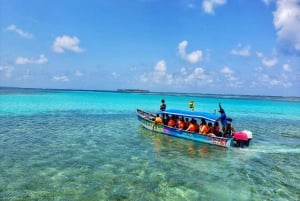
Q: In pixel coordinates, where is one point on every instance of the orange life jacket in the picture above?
(180, 124)
(216, 128)
(171, 122)
(192, 127)
(209, 130)
(204, 129)
(158, 120)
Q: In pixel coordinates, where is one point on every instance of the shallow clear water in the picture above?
(76, 145)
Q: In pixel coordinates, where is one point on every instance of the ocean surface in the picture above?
(88, 145)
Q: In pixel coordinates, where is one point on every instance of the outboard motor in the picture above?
(249, 135)
(241, 138)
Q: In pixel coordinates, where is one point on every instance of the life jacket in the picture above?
(192, 127)
(171, 122)
(180, 124)
(216, 128)
(204, 129)
(209, 130)
(158, 120)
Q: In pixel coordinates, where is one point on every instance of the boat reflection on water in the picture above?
(168, 145)
(201, 151)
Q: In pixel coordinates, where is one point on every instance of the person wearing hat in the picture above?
(222, 118)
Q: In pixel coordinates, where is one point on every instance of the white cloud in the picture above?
(6, 70)
(23, 60)
(181, 48)
(20, 32)
(183, 71)
(287, 22)
(78, 73)
(62, 78)
(226, 70)
(209, 5)
(267, 2)
(230, 77)
(185, 77)
(115, 75)
(241, 50)
(269, 62)
(198, 76)
(160, 68)
(63, 43)
(281, 80)
(159, 75)
(287, 68)
(259, 54)
(192, 57)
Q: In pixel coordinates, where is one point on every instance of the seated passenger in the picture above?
(180, 123)
(197, 126)
(229, 130)
(157, 120)
(209, 128)
(203, 128)
(171, 122)
(166, 120)
(216, 129)
(186, 123)
(209, 131)
(191, 127)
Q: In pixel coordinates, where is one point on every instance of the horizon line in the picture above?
(154, 92)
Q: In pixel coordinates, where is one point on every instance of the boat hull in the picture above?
(146, 120)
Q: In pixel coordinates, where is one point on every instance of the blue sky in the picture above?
(199, 46)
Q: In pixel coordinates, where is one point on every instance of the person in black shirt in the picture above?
(163, 105)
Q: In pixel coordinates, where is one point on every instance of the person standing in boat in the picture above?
(222, 118)
(163, 107)
(191, 105)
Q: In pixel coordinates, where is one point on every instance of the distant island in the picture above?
(134, 90)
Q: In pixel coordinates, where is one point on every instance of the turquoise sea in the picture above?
(88, 145)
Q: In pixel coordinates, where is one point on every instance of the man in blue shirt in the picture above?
(223, 118)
